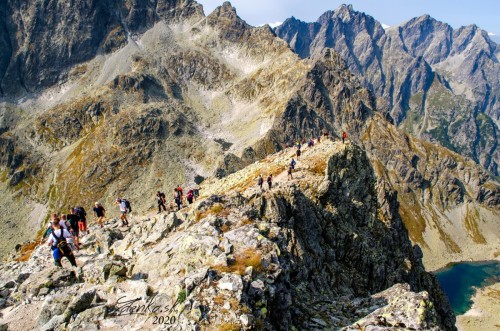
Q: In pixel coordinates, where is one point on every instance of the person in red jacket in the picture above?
(344, 136)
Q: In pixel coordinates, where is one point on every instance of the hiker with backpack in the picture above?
(58, 242)
(260, 182)
(100, 213)
(122, 203)
(62, 224)
(290, 169)
(74, 229)
(82, 223)
(178, 198)
(270, 181)
(298, 153)
(293, 163)
(160, 199)
(179, 190)
(190, 196)
(344, 136)
(74, 223)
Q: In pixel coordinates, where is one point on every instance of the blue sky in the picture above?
(484, 13)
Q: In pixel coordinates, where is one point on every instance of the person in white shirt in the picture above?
(59, 244)
(123, 211)
(61, 222)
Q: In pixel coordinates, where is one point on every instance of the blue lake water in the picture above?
(459, 280)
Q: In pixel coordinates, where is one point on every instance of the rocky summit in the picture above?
(325, 250)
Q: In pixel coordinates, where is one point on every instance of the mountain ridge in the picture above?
(410, 61)
(247, 258)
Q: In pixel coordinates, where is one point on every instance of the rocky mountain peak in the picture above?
(344, 11)
(227, 21)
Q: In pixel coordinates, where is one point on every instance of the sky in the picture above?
(457, 13)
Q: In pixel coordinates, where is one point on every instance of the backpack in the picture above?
(61, 243)
(127, 205)
(81, 213)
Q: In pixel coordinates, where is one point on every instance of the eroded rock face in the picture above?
(50, 46)
(289, 257)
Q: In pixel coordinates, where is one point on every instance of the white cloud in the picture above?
(491, 34)
(385, 26)
(272, 25)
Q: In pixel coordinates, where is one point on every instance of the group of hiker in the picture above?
(298, 153)
(179, 198)
(64, 230)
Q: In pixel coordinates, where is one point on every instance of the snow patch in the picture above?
(385, 26)
(272, 25)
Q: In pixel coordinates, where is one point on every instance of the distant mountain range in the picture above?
(437, 83)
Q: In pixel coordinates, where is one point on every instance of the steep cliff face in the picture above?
(43, 40)
(308, 254)
(438, 84)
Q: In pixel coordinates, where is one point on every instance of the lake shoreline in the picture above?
(462, 281)
(483, 315)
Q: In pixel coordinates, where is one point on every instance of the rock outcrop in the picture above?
(325, 250)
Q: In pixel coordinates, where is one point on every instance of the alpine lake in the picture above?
(459, 281)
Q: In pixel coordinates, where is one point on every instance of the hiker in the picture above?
(310, 143)
(196, 192)
(123, 210)
(325, 134)
(344, 136)
(82, 223)
(58, 242)
(190, 196)
(178, 198)
(319, 138)
(47, 232)
(61, 223)
(270, 181)
(290, 169)
(260, 182)
(293, 163)
(179, 191)
(298, 153)
(160, 198)
(72, 220)
(100, 213)
(298, 145)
